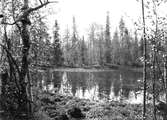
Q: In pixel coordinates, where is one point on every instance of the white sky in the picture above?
(89, 11)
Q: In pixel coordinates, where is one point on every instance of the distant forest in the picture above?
(99, 48)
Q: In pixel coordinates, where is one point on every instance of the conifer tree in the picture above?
(83, 51)
(108, 40)
(115, 48)
(57, 52)
(74, 48)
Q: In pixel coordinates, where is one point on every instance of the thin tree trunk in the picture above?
(144, 66)
(29, 92)
(154, 59)
(165, 79)
(153, 84)
(165, 76)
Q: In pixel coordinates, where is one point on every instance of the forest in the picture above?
(96, 61)
(99, 49)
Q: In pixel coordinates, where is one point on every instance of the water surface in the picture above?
(119, 85)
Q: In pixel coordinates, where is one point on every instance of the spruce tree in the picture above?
(115, 48)
(74, 49)
(108, 40)
(83, 52)
(57, 52)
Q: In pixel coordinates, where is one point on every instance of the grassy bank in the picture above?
(59, 107)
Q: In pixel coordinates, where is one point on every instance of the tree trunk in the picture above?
(24, 94)
(153, 83)
(165, 76)
(165, 79)
(23, 105)
(144, 66)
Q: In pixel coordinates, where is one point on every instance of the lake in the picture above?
(117, 85)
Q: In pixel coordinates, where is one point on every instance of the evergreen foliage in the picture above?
(56, 46)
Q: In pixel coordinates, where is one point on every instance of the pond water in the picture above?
(98, 85)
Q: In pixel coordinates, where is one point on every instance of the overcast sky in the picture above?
(89, 11)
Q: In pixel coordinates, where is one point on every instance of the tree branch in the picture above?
(14, 18)
(6, 23)
(17, 67)
(27, 12)
(42, 5)
(40, 2)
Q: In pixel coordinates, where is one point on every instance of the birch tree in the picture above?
(21, 96)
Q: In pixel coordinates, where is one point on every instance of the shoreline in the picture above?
(91, 69)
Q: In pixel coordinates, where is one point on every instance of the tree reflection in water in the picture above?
(103, 85)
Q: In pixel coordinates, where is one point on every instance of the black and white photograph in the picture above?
(83, 59)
